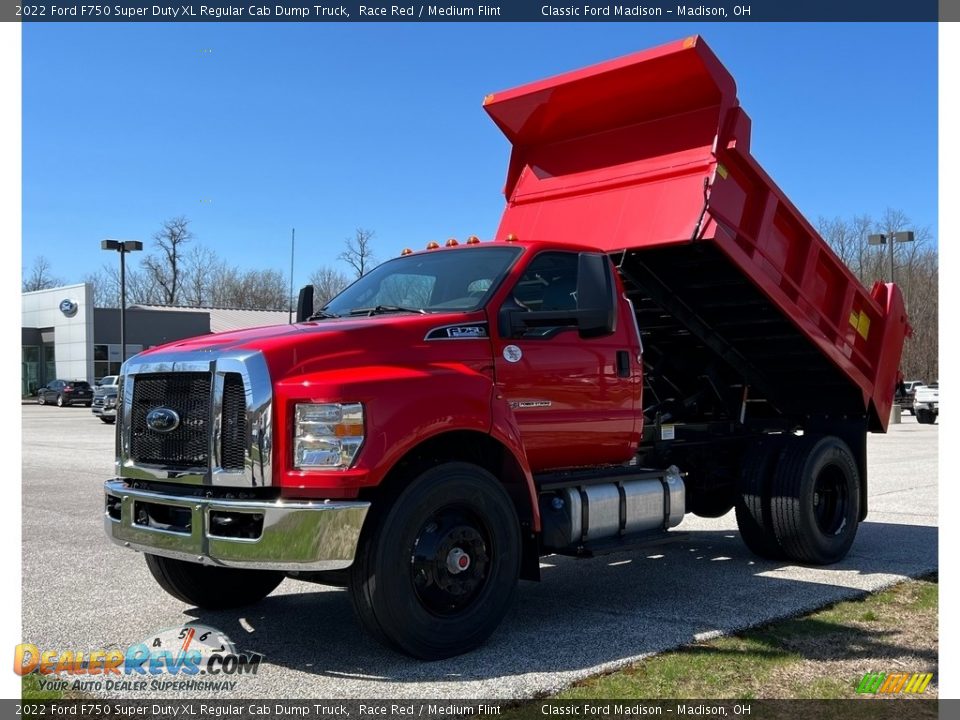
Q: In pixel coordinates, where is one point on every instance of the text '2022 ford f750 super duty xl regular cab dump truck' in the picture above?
(652, 332)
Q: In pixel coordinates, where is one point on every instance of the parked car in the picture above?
(66, 392)
(904, 396)
(105, 399)
(926, 403)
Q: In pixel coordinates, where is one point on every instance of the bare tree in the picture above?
(203, 275)
(40, 276)
(359, 252)
(262, 290)
(105, 295)
(327, 283)
(166, 267)
(141, 288)
(250, 290)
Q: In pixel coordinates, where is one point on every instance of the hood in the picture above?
(326, 344)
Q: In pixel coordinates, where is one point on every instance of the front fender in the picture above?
(403, 406)
(504, 429)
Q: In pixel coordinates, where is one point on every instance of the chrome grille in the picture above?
(188, 394)
(223, 400)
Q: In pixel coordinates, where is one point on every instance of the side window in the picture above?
(549, 283)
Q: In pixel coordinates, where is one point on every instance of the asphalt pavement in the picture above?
(81, 592)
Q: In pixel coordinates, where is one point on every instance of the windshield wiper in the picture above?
(380, 309)
(322, 315)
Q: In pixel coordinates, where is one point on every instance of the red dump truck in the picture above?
(654, 330)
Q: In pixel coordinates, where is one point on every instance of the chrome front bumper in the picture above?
(280, 535)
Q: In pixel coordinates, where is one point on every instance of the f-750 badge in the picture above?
(466, 331)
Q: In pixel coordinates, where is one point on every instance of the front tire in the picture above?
(212, 588)
(436, 572)
(41, 399)
(61, 402)
(816, 500)
(107, 420)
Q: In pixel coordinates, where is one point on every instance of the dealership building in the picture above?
(63, 336)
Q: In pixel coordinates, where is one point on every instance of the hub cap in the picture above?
(450, 561)
(830, 501)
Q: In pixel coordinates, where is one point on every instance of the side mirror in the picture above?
(596, 296)
(305, 303)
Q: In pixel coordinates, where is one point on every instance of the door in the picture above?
(574, 398)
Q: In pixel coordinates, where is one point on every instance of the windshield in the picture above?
(433, 282)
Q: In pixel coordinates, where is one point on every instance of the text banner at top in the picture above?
(491, 11)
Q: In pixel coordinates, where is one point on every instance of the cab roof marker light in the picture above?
(433, 245)
(511, 237)
(406, 251)
(473, 240)
(452, 242)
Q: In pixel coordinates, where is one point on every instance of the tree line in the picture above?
(916, 271)
(179, 271)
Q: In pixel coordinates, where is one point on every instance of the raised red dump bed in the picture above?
(647, 157)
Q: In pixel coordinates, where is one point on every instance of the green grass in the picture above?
(820, 656)
(30, 689)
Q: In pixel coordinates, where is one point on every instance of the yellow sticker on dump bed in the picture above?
(860, 322)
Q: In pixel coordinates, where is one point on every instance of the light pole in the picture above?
(889, 240)
(122, 247)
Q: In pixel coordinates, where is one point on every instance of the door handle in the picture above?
(623, 363)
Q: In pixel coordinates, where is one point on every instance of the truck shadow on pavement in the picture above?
(585, 614)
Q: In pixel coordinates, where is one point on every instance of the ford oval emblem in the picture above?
(163, 420)
(68, 307)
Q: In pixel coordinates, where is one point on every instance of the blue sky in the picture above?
(252, 129)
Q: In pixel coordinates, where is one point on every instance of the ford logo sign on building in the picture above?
(163, 420)
(68, 307)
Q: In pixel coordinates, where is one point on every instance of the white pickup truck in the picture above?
(926, 403)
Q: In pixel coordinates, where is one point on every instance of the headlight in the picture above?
(328, 436)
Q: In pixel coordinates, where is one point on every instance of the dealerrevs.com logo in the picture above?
(192, 657)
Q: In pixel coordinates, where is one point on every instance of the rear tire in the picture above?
(816, 500)
(436, 572)
(61, 402)
(754, 513)
(107, 420)
(925, 417)
(212, 588)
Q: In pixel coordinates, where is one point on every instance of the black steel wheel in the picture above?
(816, 500)
(753, 501)
(437, 568)
(212, 588)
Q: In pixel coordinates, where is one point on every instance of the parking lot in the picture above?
(82, 592)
